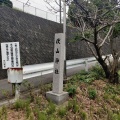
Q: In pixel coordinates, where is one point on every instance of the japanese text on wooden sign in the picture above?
(58, 63)
(10, 55)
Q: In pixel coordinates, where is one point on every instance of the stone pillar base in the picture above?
(57, 98)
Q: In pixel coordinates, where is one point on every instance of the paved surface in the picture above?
(5, 86)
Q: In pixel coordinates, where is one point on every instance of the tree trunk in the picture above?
(110, 73)
(105, 67)
(112, 76)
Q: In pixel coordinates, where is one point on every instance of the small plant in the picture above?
(51, 108)
(6, 93)
(72, 105)
(62, 112)
(92, 93)
(80, 76)
(30, 87)
(84, 77)
(113, 116)
(117, 99)
(110, 89)
(109, 114)
(97, 72)
(28, 111)
(106, 96)
(83, 72)
(116, 116)
(37, 100)
(3, 113)
(53, 117)
(119, 73)
(83, 115)
(71, 91)
(75, 106)
(41, 116)
(21, 104)
(31, 117)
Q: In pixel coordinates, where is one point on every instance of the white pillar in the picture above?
(64, 31)
(86, 65)
(17, 91)
(58, 63)
(57, 95)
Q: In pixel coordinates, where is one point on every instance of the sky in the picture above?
(36, 3)
(41, 6)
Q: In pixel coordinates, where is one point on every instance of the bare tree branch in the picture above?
(107, 12)
(85, 39)
(53, 8)
(110, 29)
(107, 25)
(92, 50)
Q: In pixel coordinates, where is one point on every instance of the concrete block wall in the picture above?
(36, 37)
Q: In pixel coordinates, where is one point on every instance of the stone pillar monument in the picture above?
(57, 95)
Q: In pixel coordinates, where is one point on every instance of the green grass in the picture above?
(3, 113)
(92, 93)
(62, 111)
(95, 73)
(83, 115)
(51, 108)
(71, 90)
(21, 104)
(89, 95)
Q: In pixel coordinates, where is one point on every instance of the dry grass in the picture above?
(103, 105)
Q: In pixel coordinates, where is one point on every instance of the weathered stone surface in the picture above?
(57, 98)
